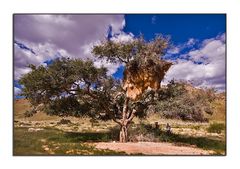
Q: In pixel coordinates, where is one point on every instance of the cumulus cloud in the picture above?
(174, 50)
(190, 42)
(42, 52)
(123, 37)
(205, 66)
(51, 36)
(112, 67)
(17, 91)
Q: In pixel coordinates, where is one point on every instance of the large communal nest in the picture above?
(142, 74)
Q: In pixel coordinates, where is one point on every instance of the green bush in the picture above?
(144, 132)
(180, 100)
(216, 128)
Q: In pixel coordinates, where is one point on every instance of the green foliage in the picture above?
(44, 83)
(68, 106)
(136, 49)
(144, 132)
(180, 100)
(64, 88)
(174, 89)
(216, 128)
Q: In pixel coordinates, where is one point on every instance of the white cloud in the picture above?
(17, 91)
(22, 58)
(178, 48)
(18, 72)
(112, 67)
(205, 66)
(123, 37)
(191, 42)
(174, 50)
(212, 51)
(51, 36)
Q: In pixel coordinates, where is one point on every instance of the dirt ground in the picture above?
(151, 148)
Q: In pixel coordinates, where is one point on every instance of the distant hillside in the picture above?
(181, 100)
(22, 105)
(219, 109)
(218, 105)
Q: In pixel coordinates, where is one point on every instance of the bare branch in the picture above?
(124, 61)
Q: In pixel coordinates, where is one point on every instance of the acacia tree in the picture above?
(73, 87)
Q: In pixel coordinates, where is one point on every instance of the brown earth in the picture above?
(152, 148)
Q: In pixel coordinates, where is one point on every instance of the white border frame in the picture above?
(231, 7)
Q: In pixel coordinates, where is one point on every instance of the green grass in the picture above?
(58, 143)
(76, 143)
(216, 127)
(218, 146)
(75, 137)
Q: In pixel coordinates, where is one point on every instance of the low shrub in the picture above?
(64, 121)
(216, 128)
(144, 132)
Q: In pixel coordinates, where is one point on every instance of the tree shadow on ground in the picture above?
(51, 141)
(76, 137)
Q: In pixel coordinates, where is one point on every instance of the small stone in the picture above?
(34, 129)
(46, 149)
(43, 140)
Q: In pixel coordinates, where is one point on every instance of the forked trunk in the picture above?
(123, 136)
(127, 117)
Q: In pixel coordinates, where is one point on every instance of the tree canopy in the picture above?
(137, 49)
(75, 87)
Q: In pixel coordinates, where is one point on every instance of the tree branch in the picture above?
(124, 61)
(69, 91)
(88, 92)
(133, 112)
(125, 108)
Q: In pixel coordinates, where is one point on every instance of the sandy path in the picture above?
(151, 148)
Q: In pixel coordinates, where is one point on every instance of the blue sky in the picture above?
(180, 27)
(198, 51)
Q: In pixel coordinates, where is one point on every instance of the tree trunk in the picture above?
(123, 136)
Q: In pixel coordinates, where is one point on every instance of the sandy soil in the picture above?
(152, 148)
